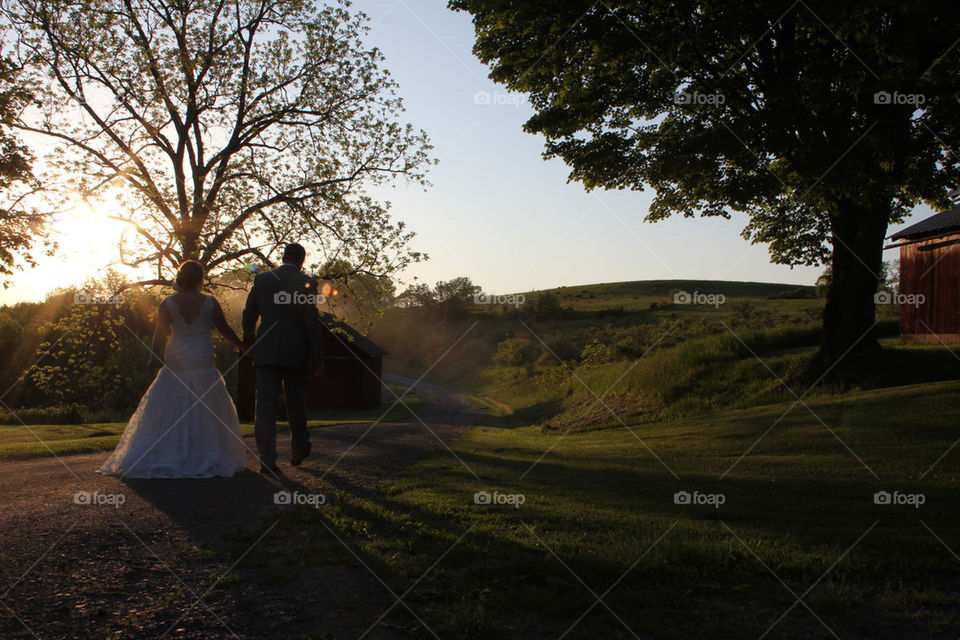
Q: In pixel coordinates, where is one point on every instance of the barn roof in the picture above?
(937, 224)
(353, 337)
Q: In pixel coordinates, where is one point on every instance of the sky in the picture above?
(496, 211)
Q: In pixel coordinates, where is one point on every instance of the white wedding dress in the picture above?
(186, 425)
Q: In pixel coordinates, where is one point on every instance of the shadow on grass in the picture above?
(528, 571)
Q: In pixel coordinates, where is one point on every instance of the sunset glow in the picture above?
(87, 241)
(89, 236)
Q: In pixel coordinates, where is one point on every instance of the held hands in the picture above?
(245, 348)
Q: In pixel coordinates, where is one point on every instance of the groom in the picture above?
(288, 344)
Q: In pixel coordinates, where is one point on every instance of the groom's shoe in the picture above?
(297, 457)
(267, 468)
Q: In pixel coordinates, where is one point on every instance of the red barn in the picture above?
(351, 378)
(930, 279)
(352, 369)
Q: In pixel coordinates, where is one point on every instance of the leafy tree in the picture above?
(822, 121)
(417, 295)
(353, 292)
(822, 285)
(460, 288)
(221, 129)
(93, 354)
(451, 297)
(20, 228)
(22, 329)
(889, 276)
(455, 296)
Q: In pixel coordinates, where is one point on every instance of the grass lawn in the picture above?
(33, 441)
(600, 549)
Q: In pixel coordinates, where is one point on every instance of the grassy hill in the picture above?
(640, 294)
(590, 356)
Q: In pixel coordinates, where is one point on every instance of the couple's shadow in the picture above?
(211, 510)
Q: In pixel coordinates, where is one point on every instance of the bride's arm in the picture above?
(220, 322)
(160, 336)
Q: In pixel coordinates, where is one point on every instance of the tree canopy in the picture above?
(20, 228)
(218, 129)
(823, 122)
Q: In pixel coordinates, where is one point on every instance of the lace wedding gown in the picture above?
(186, 425)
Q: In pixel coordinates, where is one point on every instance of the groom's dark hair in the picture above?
(294, 253)
(189, 275)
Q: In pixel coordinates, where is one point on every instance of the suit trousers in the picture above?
(269, 380)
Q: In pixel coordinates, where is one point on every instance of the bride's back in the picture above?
(191, 343)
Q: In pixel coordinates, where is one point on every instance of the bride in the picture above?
(186, 425)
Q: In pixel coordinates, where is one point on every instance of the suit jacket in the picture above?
(285, 302)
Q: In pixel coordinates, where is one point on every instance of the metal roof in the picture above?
(936, 224)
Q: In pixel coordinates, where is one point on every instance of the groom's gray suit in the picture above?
(288, 343)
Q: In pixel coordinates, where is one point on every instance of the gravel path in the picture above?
(87, 556)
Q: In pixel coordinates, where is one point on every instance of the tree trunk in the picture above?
(848, 316)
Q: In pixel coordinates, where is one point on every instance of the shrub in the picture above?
(548, 306)
(66, 414)
(800, 293)
(597, 353)
(516, 351)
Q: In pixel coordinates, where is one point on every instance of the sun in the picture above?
(88, 233)
(87, 240)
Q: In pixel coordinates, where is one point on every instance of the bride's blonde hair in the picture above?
(189, 275)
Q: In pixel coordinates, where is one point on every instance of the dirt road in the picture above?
(87, 556)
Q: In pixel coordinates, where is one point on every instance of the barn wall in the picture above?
(931, 269)
(372, 383)
(346, 383)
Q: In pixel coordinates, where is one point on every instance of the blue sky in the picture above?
(497, 212)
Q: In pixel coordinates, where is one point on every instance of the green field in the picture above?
(38, 440)
(599, 516)
(598, 448)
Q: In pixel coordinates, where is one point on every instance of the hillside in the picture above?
(650, 349)
(639, 294)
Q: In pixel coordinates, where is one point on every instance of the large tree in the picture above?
(20, 226)
(822, 121)
(217, 129)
